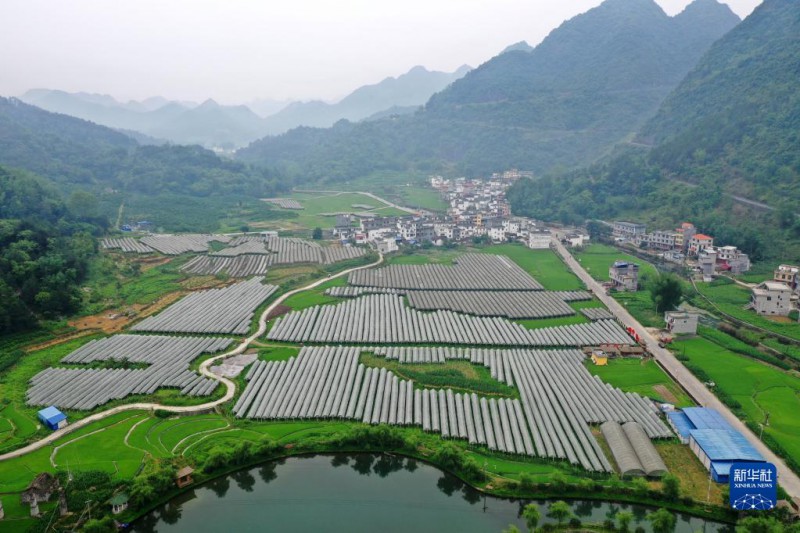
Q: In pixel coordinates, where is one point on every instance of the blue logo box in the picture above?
(753, 486)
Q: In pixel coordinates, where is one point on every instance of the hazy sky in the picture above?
(237, 50)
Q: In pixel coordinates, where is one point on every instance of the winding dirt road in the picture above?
(204, 369)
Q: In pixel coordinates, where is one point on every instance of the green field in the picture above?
(643, 377)
(278, 353)
(758, 387)
(544, 265)
(315, 296)
(597, 258)
(731, 299)
(319, 209)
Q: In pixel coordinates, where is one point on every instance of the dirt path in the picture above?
(204, 370)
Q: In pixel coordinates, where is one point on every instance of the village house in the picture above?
(681, 322)
(771, 298)
(788, 275)
(700, 242)
(387, 246)
(40, 489)
(629, 230)
(684, 234)
(539, 239)
(663, 240)
(732, 259)
(624, 275)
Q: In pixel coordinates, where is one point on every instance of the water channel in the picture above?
(364, 492)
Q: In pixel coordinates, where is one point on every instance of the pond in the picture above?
(363, 492)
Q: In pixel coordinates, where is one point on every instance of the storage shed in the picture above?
(53, 418)
(713, 440)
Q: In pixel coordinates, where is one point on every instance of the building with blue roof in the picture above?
(52, 418)
(713, 440)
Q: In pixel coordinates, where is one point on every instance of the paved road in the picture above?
(788, 479)
(204, 369)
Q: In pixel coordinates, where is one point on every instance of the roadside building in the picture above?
(624, 275)
(539, 239)
(772, 299)
(707, 262)
(681, 322)
(788, 275)
(629, 230)
(52, 418)
(713, 440)
(700, 242)
(575, 240)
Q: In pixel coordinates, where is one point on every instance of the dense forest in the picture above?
(44, 250)
(590, 84)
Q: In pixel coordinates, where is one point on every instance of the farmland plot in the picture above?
(168, 360)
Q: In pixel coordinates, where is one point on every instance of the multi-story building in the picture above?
(539, 239)
(663, 240)
(732, 259)
(700, 242)
(771, 298)
(788, 275)
(624, 275)
(629, 230)
(681, 322)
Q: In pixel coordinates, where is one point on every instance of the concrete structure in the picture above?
(771, 298)
(788, 275)
(707, 262)
(700, 242)
(629, 230)
(681, 322)
(685, 234)
(732, 259)
(539, 240)
(387, 246)
(663, 240)
(40, 489)
(53, 418)
(576, 240)
(715, 442)
(624, 275)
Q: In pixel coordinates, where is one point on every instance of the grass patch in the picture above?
(535, 323)
(758, 388)
(318, 209)
(315, 296)
(693, 476)
(597, 258)
(643, 377)
(544, 265)
(461, 376)
(731, 299)
(278, 353)
(640, 305)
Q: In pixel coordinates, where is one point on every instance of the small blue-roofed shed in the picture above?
(52, 418)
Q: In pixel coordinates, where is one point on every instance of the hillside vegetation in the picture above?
(591, 83)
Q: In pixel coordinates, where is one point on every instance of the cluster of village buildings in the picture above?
(776, 297)
(477, 208)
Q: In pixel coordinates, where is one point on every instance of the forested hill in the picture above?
(736, 116)
(732, 127)
(44, 251)
(592, 82)
(74, 153)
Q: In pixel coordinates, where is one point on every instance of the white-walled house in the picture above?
(771, 298)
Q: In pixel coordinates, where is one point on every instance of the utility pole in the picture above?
(484, 491)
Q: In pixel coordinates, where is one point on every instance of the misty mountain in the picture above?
(409, 90)
(77, 154)
(729, 128)
(590, 84)
(521, 46)
(264, 107)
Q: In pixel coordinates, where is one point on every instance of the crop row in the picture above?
(468, 272)
(241, 266)
(227, 310)
(384, 319)
(168, 360)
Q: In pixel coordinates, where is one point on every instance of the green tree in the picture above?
(531, 515)
(83, 204)
(624, 519)
(511, 529)
(671, 487)
(101, 525)
(597, 230)
(559, 510)
(316, 234)
(666, 292)
(662, 521)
